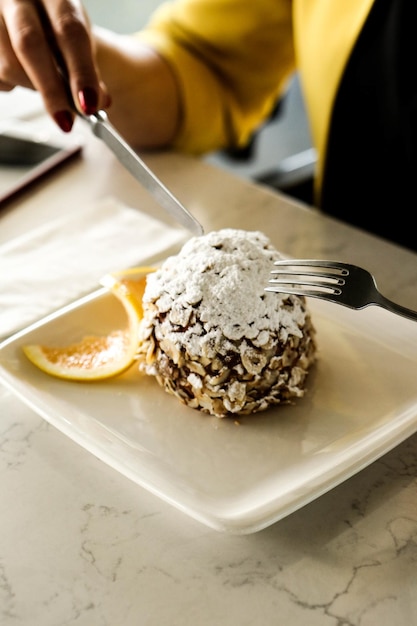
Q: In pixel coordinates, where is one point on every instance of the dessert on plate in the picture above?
(214, 338)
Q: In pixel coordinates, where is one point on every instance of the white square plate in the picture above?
(234, 476)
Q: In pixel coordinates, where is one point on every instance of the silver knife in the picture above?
(102, 128)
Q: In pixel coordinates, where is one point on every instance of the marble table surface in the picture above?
(82, 545)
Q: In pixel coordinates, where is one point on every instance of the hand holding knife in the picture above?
(104, 130)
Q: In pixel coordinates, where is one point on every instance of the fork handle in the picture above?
(396, 308)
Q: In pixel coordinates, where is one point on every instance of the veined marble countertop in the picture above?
(81, 545)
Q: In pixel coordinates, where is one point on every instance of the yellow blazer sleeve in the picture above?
(232, 60)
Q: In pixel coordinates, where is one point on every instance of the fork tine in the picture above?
(341, 268)
(294, 291)
(316, 286)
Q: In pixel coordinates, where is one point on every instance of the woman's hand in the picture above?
(42, 40)
(34, 35)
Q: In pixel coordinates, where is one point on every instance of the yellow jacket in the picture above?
(233, 58)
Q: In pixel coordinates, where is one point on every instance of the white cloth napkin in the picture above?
(20, 103)
(62, 260)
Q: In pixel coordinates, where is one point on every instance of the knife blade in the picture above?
(105, 131)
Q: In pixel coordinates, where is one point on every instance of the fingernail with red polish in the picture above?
(88, 98)
(65, 120)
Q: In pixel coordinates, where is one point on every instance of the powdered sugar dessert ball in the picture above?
(213, 337)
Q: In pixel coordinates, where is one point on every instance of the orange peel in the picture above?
(98, 357)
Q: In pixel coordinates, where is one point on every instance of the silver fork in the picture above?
(341, 283)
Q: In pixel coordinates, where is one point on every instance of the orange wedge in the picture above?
(99, 357)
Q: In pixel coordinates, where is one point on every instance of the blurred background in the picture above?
(281, 154)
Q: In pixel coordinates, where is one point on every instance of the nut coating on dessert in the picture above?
(213, 337)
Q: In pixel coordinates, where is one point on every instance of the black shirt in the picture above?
(370, 175)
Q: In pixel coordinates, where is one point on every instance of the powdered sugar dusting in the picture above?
(224, 273)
